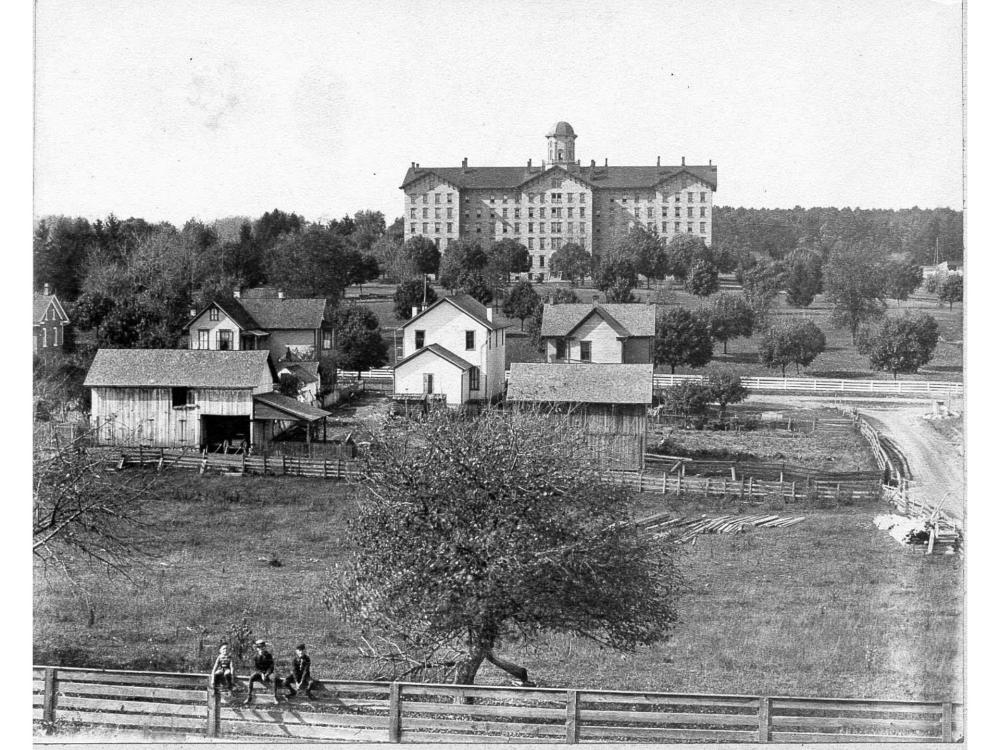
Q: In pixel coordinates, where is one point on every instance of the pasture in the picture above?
(829, 607)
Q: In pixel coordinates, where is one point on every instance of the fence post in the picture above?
(49, 706)
(395, 713)
(664, 492)
(764, 724)
(572, 717)
(947, 719)
(283, 469)
(212, 726)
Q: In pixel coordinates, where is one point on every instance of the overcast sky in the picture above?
(175, 109)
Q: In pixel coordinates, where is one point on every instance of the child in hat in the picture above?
(222, 670)
(263, 664)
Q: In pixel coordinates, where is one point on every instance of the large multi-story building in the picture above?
(558, 201)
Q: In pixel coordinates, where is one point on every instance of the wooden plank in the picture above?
(117, 691)
(460, 709)
(947, 721)
(214, 701)
(155, 679)
(572, 717)
(37, 699)
(658, 733)
(846, 704)
(471, 727)
(668, 717)
(38, 673)
(37, 714)
(764, 720)
(51, 697)
(409, 736)
(872, 725)
(451, 692)
(807, 737)
(395, 712)
(299, 731)
(669, 699)
(293, 717)
(99, 704)
(38, 686)
(139, 720)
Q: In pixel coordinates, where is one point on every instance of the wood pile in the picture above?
(681, 529)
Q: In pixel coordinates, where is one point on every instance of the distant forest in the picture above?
(921, 233)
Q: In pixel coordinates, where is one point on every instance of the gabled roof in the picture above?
(627, 319)
(580, 383)
(276, 314)
(40, 305)
(285, 405)
(601, 177)
(306, 372)
(192, 368)
(440, 351)
(467, 304)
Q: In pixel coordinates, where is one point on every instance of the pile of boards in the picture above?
(933, 531)
(685, 529)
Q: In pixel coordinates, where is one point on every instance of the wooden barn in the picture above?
(606, 402)
(179, 398)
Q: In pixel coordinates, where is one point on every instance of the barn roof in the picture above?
(598, 177)
(440, 351)
(580, 383)
(306, 372)
(192, 368)
(285, 405)
(631, 319)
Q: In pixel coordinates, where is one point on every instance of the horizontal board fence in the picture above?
(753, 420)
(663, 380)
(277, 465)
(415, 712)
(757, 469)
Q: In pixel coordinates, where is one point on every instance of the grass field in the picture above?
(830, 607)
(840, 360)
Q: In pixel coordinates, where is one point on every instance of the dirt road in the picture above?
(936, 463)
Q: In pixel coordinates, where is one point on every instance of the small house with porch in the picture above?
(453, 351)
(600, 333)
(607, 403)
(49, 321)
(184, 398)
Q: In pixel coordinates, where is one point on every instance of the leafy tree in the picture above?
(478, 285)
(704, 279)
(903, 344)
(327, 373)
(804, 279)
(316, 262)
(369, 226)
(506, 257)
(933, 282)
(855, 281)
(459, 259)
(682, 338)
(726, 388)
(423, 253)
(363, 268)
(559, 297)
(799, 341)
(571, 262)
(720, 256)
(688, 398)
(496, 531)
(59, 253)
(730, 316)
(360, 345)
(289, 385)
(396, 263)
(680, 254)
(616, 276)
(396, 231)
(410, 294)
(272, 225)
(521, 302)
(57, 382)
(645, 251)
(761, 284)
(243, 259)
(951, 290)
(902, 278)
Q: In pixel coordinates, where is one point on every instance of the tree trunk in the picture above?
(672, 368)
(467, 669)
(725, 344)
(519, 672)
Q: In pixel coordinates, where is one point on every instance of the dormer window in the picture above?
(213, 313)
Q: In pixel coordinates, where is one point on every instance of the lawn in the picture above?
(830, 607)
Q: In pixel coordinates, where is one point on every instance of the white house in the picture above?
(608, 333)
(454, 350)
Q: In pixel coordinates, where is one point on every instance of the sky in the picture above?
(175, 110)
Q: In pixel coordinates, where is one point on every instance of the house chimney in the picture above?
(682, 161)
(657, 161)
(465, 162)
(489, 313)
(414, 311)
(605, 162)
(593, 163)
(413, 165)
(529, 164)
(192, 312)
(281, 294)
(236, 292)
(45, 290)
(709, 162)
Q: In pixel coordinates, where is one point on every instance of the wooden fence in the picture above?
(664, 380)
(411, 712)
(756, 469)
(281, 465)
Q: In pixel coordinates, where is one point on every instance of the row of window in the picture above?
(420, 337)
(437, 197)
(584, 350)
(437, 213)
(473, 380)
(558, 197)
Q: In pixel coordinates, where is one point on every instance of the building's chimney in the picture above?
(45, 290)
(595, 298)
(192, 312)
(605, 162)
(709, 162)
(682, 161)
(413, 165)
(593, 163)
(489, 313)
(414, 311)
(465, 162)
(657, 161)
(529, 163)
(236, 292)
(281, 294)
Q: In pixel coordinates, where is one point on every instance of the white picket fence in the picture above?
(761, 384)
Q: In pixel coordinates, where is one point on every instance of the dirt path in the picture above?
(936, 463)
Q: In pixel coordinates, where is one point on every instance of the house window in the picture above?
(425, 227)
(424, 196)
(677, 212)
(428, 382)
(677, 226)
(203, 338)
(690, 212)
(437, 213)
(413, 228)
(418, 339)
(474, 379)
(677, 198)
(557, 197)
(560, 348)
(437, 227)
(328, 339)
(437, 197)
(45, 337)
(213, 313)
(531, 244)
(690, 197)
(649, 212)
(470, 340)
(690, 227)
(703, 227)
(541, 261)
(541, 226)
(664, 226)
(702, 212)
(224, 340)
(584, 351)
(413, 213)
(583, 228)
(702, 197)
(556, 226)
(449, 197)
(449, 228)
(426, 214)
(583, 197)
(581, 212)
(181, 397)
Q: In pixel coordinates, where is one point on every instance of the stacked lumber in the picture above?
(934, 531)
(681, 529)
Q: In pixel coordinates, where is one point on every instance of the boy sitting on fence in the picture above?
(300, 678)
(222, 670)
(263, 664)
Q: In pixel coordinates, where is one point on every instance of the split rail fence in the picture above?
(281, 465)
(412, 712)
(663, 380)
